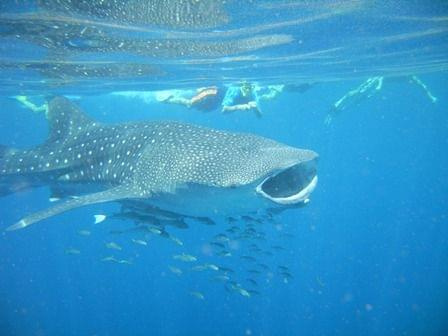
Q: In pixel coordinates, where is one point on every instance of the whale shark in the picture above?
(171, 166)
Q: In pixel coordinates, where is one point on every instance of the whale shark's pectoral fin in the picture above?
(117, 193)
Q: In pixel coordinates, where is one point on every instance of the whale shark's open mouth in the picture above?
(291, 185)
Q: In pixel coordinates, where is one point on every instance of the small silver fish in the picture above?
(109, 259)
(140, 242)
(185, 257)
(72, 251)
(197, 295)
(113, 246)
(221, 278)
(243, 292)
(204, 267)
(240, 290)
(154, 230)
(84, 233)
(175, 270)
(224, 254)
(124, 261)
(212, 267)
(177, 241)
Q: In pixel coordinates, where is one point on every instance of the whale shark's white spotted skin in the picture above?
(145, 160)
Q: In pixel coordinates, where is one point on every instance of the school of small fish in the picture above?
(243, 242)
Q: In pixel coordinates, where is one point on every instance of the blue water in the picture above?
(368, 255)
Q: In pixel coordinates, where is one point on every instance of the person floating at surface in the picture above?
(241, 98)
(205, 99)
(366, 90)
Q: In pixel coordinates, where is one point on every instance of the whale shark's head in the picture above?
(277, 173)
(221, 172)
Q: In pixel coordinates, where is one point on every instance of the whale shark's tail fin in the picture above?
(24, 169)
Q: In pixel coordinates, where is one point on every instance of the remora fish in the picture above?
(185, 169)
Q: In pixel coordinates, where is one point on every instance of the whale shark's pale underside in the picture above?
(181, 168)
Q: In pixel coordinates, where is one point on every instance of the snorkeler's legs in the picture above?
(24, 100)
(177, 100)
(414, 79)
(366, 90)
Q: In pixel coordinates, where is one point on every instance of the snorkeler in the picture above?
(241, 98)
(247, 96)
(366, 90)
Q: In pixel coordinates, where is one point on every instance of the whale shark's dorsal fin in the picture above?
(65, 119)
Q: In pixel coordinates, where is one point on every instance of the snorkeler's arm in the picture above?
(273, 91)
(239, 107)
(252, 105)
